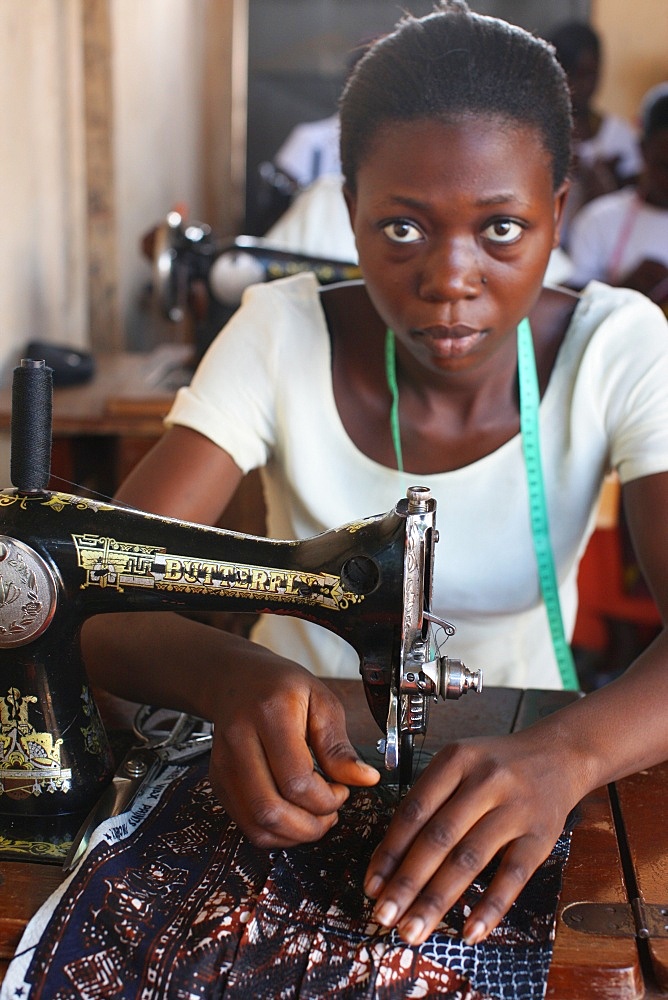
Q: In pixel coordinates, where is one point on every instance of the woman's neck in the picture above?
(444, 423)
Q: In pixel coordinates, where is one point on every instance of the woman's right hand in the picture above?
(273, 722)
(281, 760)
(271, 717)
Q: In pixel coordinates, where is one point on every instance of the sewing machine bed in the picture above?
(619, 851)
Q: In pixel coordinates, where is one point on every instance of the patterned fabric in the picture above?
(172, 901)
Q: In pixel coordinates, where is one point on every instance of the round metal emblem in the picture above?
(28, 593)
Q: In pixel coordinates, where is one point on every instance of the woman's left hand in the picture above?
(476, 798)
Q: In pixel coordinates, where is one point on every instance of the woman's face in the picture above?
(454, 226)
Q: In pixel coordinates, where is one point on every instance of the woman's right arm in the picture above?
(185, 475)
(269, 713)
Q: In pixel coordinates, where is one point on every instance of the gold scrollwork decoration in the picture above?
(30, 761)
(56, 501)
(108, 562)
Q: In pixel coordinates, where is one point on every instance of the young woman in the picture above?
(455, 144)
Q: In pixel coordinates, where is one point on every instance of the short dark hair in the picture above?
(454, 64)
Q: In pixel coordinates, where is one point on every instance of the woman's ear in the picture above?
(559, 201)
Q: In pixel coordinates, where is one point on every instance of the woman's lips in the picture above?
(450, 341)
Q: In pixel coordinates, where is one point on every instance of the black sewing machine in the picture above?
(64, 558)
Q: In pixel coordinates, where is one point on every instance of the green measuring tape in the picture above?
(529, 405)
(391, 373)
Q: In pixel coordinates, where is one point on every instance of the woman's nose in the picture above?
(450, 271)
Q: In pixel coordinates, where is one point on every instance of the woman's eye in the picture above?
(400, 231)
(503, 231)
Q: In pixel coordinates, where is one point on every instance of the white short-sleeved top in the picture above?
(615, 233)
(263, 392)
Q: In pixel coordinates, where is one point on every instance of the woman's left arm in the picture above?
(512, 794)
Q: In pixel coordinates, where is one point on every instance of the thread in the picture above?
(32, 405)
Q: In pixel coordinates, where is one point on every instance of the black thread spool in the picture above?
(42, 674)
(32, 408)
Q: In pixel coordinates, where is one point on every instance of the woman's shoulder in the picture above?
(601, 319)
(280, 309)
(344, 295)
(596, 302)
(277, 323)
(617, 322)
(297, 291)
(349, 311)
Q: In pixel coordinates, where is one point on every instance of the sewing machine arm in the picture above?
(64, 558)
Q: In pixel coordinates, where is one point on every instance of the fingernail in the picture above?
(386, 913)
(475, 933)
(412, 930)
(374, 885)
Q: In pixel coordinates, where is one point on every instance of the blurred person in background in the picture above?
(622, 237)
(606, 151)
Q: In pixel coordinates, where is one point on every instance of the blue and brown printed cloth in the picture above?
(172, 901)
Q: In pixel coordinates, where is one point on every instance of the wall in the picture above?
(172, 114)
(42, 266)
(110, 111)
(634, 51)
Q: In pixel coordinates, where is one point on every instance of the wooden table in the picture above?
(619, 852)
